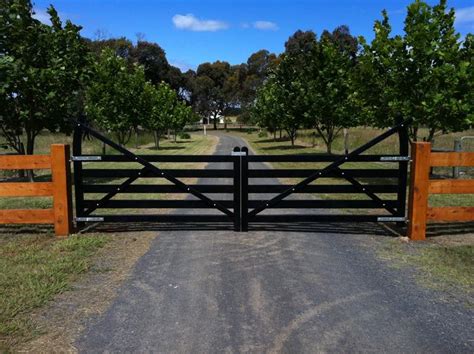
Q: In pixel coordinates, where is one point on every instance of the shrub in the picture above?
(184, 135)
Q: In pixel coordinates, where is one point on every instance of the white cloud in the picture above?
(42, 16)
(192, 23)
(265, 25)
(465, 15)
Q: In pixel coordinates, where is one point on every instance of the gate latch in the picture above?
(239, 153)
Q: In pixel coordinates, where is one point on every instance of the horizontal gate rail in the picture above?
(223, 188)
(156, 158)
(198, 204)
(188, 173)
(163, 218)
(325, 158)
(282, 173)
(292, 218)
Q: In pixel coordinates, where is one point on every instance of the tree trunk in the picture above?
(225, 123)
(274, 135)
(329, 147)
(431, 134)
(136, 138)
(215, 122)
(30, 149)
(156, 136)
(415, 134)
(280, 133)
(21, 150)
(175, 136)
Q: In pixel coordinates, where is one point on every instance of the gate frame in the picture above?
(241, 216)
(398, 215)
(82, 215)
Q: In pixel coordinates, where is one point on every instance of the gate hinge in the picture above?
(89, 219)
(395, 158)
(86, 158)
(391, 218)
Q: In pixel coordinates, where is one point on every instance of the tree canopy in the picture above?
(42, 72)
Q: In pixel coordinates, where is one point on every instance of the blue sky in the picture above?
(195, 31)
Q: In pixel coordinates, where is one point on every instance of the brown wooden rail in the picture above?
(59, 188)
(419, 213)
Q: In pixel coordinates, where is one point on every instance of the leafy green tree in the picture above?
(207, 86)
(420, 75)
(267, 111)
(122, 46)
(42, 70)
(114, 95)
(182, 115)
(153, 59)
(251, 76)
(159, 103)
(285, 96)
(326, 78)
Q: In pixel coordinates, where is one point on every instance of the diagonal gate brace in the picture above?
(149, 167)
(325, 171)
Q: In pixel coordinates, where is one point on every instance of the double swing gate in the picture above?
(240, 188)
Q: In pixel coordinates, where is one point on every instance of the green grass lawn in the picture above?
(441, 266)
(33, 269)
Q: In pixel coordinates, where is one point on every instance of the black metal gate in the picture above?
(243, 180)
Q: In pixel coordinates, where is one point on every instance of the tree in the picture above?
(122, 46)
(267, 111)
(182, 115)
(208, 92)
(282, 97)
(326, 77)
(420, 75)
(300, 42)
(114, 95)
(153, 59)
(252, 75)
(42, 71)
(159, 103)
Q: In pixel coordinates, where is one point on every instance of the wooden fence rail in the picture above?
(59, 188)
(419, 212)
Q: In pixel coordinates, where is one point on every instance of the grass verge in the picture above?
(439, 265)
(33, 269)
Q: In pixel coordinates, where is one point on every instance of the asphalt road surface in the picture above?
(276, 290)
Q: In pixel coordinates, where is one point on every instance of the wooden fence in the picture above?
(59, 188)
(421, 186)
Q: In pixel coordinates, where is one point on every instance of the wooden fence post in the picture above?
(61, 176)
(419, 185)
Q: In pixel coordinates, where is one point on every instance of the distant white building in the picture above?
(208, 120)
